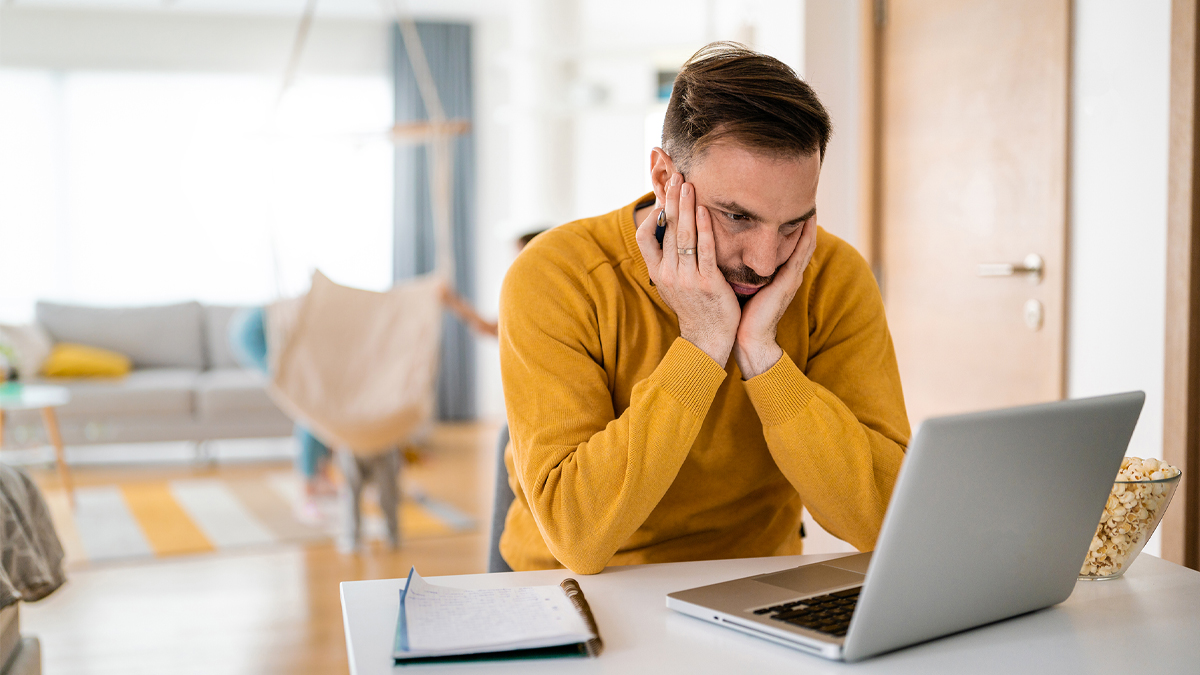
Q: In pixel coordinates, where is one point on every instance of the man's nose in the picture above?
(760, 252)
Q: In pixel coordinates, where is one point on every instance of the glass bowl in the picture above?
(1133, 511)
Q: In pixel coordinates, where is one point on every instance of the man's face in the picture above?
(759, 205)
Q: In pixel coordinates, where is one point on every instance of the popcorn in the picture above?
(1132, 511)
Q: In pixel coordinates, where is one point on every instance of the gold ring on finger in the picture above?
(687, 251)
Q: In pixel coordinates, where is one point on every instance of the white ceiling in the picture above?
(349, 9)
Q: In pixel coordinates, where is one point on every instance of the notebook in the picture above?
(443, 623)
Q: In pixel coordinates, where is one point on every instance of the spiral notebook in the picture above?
(443, 623)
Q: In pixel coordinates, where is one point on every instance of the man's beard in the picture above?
(746, 277)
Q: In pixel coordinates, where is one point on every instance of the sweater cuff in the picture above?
(690, 376)
(780, 393)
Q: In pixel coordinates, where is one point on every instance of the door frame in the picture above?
(1181, 381)
(871, 17)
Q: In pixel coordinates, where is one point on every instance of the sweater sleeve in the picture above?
(838, 429)
(591, 477)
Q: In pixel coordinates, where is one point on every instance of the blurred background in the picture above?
(150, 152)
(1001, 164)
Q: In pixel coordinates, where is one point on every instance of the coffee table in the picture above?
(44, 398)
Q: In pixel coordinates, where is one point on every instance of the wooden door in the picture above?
(973, 115)
(1181, 384)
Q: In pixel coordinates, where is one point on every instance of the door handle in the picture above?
(1033, 265)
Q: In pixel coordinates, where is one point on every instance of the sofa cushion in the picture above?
(231, 391)
(163, 336)
(150, 391)
(216, 336)
(71, 360)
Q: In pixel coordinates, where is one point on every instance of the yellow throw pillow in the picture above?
(72, 360)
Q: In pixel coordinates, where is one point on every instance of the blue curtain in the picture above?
(448, 50)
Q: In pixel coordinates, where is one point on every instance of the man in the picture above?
(682, 401)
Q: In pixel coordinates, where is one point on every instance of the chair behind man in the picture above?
(500, 503)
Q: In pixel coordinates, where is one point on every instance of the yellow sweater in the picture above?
(630, 445)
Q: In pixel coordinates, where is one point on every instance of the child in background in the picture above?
(463, 310)
(248, 341)
(358, 469)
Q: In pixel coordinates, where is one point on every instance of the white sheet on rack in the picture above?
(358, 367)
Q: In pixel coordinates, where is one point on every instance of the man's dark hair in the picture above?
(523, 240)
(728, 92)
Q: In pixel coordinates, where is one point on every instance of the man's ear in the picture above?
(661, 170)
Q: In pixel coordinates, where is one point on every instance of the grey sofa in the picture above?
(185, 386)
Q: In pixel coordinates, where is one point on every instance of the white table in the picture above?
(1147, 622)
(45, 398)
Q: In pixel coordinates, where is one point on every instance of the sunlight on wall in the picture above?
(131, 187)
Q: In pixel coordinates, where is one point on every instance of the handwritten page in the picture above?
(441, 619)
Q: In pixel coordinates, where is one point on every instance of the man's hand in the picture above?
(691, 284)
(756, 349)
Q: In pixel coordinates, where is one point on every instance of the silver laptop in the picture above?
(991, 517)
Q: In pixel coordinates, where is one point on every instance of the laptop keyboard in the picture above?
(824, 613)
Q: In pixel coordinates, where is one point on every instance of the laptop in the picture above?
(990, 518)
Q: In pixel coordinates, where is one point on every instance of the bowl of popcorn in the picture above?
(1137, 502)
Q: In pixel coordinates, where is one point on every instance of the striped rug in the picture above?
(183, 517)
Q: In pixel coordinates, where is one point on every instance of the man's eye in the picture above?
(736, 217)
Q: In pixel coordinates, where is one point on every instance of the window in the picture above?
(136, 188)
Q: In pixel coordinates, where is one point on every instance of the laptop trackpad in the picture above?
(812, 578)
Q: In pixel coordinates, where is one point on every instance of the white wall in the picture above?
(832, 48)
(493, 244)
(1119, 207)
